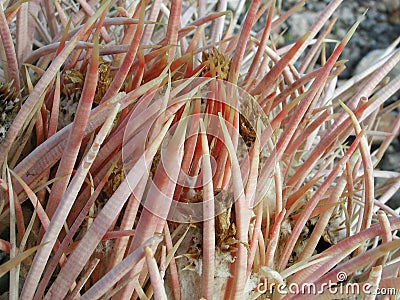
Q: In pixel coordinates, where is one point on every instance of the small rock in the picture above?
(373, 57)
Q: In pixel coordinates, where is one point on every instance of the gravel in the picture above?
(378, 30)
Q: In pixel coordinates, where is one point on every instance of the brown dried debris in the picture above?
(9, 107)
(218, 64)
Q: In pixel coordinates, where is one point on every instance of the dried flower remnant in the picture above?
(73, 81)
(104, 80)
(73, 84)
(217, 64)
(71, 93)
(246, 131)
(225, 227)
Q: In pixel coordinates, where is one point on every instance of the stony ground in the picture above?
(378, 30)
